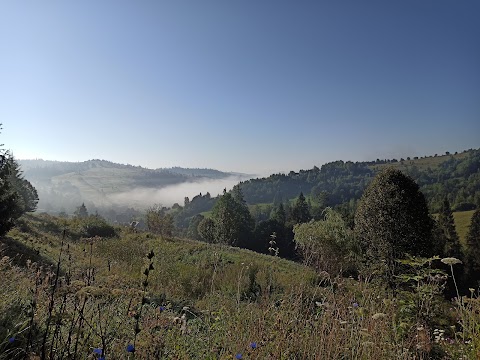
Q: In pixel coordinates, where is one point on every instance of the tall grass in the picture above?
(206, 301)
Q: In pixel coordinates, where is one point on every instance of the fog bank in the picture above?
(169, 195)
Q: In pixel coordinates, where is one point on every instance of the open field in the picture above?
(462, 222)
(424, 163)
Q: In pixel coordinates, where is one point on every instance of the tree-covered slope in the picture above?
(456, 176)
(65, 185)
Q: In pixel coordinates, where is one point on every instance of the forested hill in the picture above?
(456, 176)
(42, 169)
(66, 185)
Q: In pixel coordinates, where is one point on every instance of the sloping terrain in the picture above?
(65, 185)
(71, 297)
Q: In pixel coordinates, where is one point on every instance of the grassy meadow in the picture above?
(76, 298)
(462, 222)
(424, 163)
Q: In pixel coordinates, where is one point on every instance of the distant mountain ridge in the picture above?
(65, 185)
(33, 168)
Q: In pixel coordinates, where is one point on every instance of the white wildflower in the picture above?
(378, 316)
(451, 261)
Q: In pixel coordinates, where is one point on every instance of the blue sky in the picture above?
(251, 86)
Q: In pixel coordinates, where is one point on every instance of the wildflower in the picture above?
(97, 351)
(130, 348)
(238, 356)
(355, 305)
(378, 316)
(11, 340)
(451, 261)
(253, 345)
(162, 308)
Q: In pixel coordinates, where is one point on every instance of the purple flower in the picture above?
(130, 348)
(253, 345)
(162, 308)
(238, 356)
(11, 340)
(97, 351)
(355, 305)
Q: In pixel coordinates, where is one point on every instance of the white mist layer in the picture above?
(169, 195)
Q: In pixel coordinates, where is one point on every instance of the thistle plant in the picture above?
(132, 347)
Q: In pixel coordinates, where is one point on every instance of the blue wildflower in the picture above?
(253, 345)
(238, 356)
(97, 351)
(162, 308)
(355, 305)
(11, 340)
(130, 348)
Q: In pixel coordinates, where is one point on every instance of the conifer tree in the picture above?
(447, 224)
(81, 212)
(473, 246)
(17, 195)
(9, 199)
(279, 214)
(300, 212)
(392, 220)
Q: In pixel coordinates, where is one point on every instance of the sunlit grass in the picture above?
(204, 301)
(462, 223)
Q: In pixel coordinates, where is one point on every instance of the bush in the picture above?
(95, 225)
(328, 245)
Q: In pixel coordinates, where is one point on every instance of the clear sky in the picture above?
(253, 85)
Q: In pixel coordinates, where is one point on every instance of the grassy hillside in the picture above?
(200, 301)
(105, 184)
(462, 222)
(424, 163)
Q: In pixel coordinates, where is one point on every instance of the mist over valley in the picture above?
(63, 186)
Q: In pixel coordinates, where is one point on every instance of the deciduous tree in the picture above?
(232, 219)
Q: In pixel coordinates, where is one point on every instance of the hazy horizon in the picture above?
(266, 173)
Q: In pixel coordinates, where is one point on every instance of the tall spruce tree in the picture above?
(27, 194)
(279, 214)
(446, 222)
(10, 208)
(300, 211)
(17, 195)
(473, 247)
(81, 212)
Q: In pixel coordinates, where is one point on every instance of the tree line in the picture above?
(391, 222)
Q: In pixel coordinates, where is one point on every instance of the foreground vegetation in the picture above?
(208, 301)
